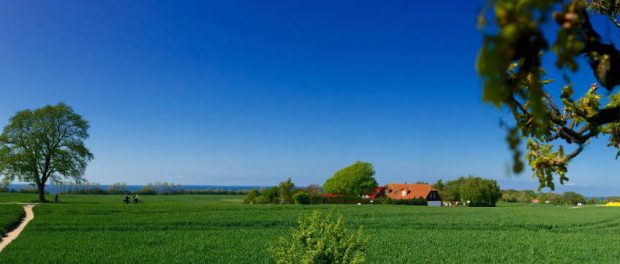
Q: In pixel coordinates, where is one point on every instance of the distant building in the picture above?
(400, 191)
(535, 200)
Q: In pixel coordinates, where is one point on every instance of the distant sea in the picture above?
(53, 189)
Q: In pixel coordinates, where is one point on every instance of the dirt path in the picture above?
(13, 234)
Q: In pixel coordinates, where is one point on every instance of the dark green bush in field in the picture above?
(249, 198)
(271, 194)
(284, 193)
(473, 191)
(317, 199)
(261, 199)
(301, 198)
(321, 239)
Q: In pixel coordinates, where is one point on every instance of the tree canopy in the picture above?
(476, 190)
(44, 144)
(354, 180)
(285, 191)
(556, 123)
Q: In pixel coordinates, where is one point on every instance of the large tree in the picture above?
(45, 144)
(354, 180)
(556, 123)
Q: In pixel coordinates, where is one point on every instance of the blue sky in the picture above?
(249, 92)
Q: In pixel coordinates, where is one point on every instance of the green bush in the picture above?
(249, 198)
(301, 198)
(261, 199)
(317, 199)
(321, 239)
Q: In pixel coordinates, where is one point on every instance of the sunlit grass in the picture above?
(219, 229)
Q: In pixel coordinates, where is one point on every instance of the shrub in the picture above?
(301, 198)
(414, 201)
(261, 199)
(249, 198)
(321, 239)
(316, 199)
(271, 194)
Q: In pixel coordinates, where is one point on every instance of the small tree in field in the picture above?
(44, 144)
(321, 239)
(285, 191)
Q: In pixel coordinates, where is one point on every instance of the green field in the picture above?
(219, 229)
(10, 217)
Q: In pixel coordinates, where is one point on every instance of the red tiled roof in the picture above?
(376, 192)
(407, 191)
(330, 195)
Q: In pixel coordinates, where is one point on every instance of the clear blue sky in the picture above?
(252, 92)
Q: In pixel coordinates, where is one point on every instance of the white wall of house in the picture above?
(434, 203)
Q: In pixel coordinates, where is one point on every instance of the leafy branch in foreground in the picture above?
(321, 239)
(510, 64)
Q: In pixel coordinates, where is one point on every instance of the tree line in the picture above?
(526, 196)
(471, 191)
(157, 188)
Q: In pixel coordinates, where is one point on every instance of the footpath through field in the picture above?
(13, 234)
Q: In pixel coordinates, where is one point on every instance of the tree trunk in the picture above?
(41, 188)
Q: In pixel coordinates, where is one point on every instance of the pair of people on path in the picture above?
(135, 199)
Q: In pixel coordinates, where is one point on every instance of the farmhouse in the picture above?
(404, 191)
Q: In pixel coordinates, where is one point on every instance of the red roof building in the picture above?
(397, 191)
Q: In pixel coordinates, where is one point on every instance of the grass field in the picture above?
(10, 217)
(219, 229)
